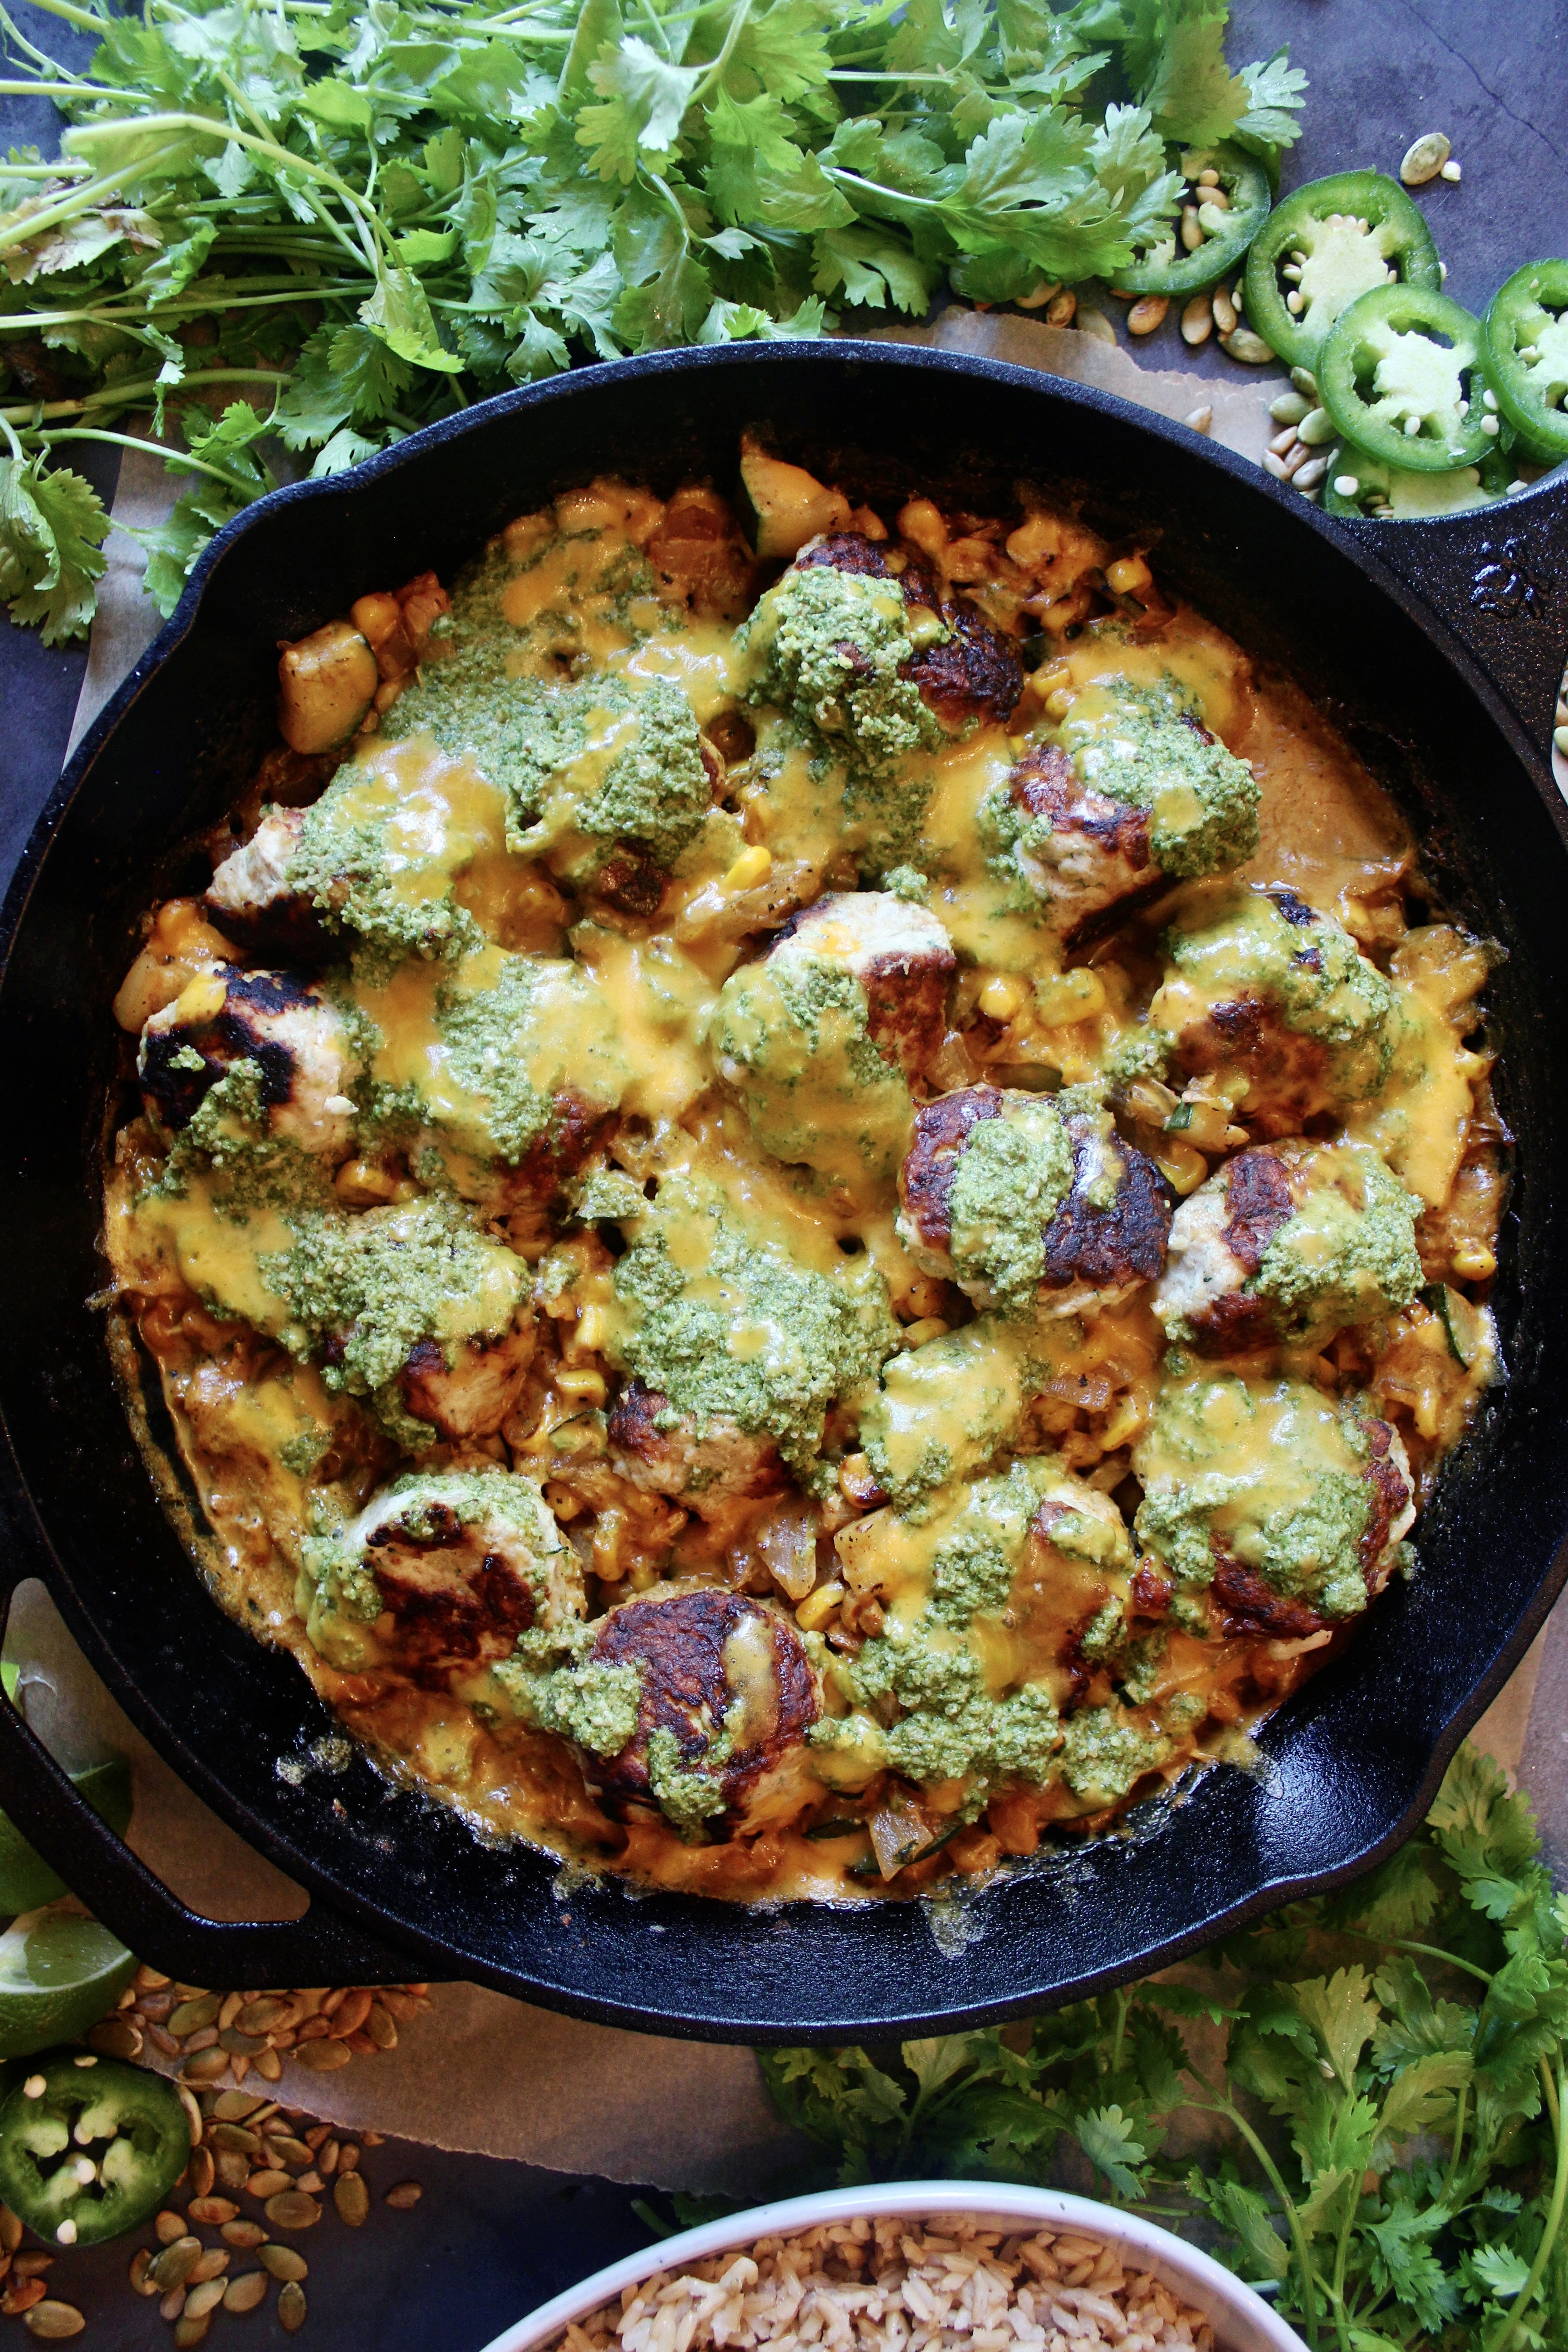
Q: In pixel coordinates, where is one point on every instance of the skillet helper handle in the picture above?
(320, 1949)
(1497, 576)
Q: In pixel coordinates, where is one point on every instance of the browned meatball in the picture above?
(292, 1035)
(1086, 855)
(472, 1395)
(1053, 1209)
(973, 673)
(727, 1695)
(707, 1471)
(899, 954)
(252, 900)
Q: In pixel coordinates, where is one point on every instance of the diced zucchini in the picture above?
(783, 506)
(1471, 1339)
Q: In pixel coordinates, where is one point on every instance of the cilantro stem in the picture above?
(76, 200)
(18, 451)
(82, 16)
(715, 73)
(1219, 2105)
(1427, 1951)
(1558, 2092)
(125, 395)
(170, 457)
(1459, 2118)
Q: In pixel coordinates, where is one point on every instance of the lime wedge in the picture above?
(26, 1882)
(58, 1975)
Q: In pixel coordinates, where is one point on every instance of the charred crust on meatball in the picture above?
(1048, 785)
(678, 1642)
(682, 1458)
(1388, 1493)
(174, 1092)
(973, 673)
(1287, 1068)
(906, 1006)
(445, 1619)
(930, 1165)
(1109, 1247)
(1258, 1204)
(1248, 1605)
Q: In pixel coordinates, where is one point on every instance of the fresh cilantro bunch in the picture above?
(1385, 2069)
(369, 215)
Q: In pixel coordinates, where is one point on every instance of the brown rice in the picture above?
(896, 2284)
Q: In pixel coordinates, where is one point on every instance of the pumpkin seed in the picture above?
(236, 2137)
(283, 2262)
(1060, 310)
(268, 2183)
(403, 2194)
(352, 2198)
(205, 2298)
(261, 2016)
(1424, 159)
(348, 2159)
(244, 2293)
(234, 2170)
(246, 2234)
(291, 2208)
(168, 2226)
(291, 2308)
(55, 2321)
(10, 2231)
(322, 2057)
(176, 2264)
(291, 2150)
(189, 2331)
(214, 2210)
(380, 2027)
(241, 2045)
(205, 2067)
(116, 2037)
(1250, 349)
(213, 2264)
(269, 2066)
(141, 2260)
(236, 2107)
(199, 2172)
(192, 2015)
(1197, 320)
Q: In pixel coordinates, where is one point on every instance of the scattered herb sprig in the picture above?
(1386, 2068)
(332, 221)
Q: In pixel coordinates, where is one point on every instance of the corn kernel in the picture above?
(930, 1326)
(201, 999)
(1474, 1261)
(1069, 996)
(1002, 996)
(1128, 577)
(814, 1611)
(751, 868)
(1183, 1166)
(362, 1185)
(593, 1329)
(583, 1383)
(1059, 702)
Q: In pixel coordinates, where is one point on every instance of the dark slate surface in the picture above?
(489, 2238)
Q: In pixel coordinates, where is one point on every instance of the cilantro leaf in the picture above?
(52, 528)
(645, 99)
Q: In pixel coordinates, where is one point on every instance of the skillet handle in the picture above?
(1497, 576)
(321, 1948)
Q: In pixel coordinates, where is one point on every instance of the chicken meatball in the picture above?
(858, 643)
(1026, 1204)
(822, 1036)
(1278, 1004)
(254, 900)
(726, 1695)
(438, 1577)
(1135, 792)
(707, 1463)
(467, 1390)
(1289, 1241)
(295, 1041)
(1271, 1507)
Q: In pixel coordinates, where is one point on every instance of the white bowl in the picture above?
(1242, 2321)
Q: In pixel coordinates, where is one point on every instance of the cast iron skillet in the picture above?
(398, 1885)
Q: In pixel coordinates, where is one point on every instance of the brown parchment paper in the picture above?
(482, 2073)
